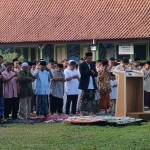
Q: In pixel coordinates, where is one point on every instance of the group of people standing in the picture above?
(27, 86)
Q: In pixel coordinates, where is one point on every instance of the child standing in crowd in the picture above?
(123, 65)
(113, 94)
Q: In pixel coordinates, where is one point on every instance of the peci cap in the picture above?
(88, 54)
(16, 59)
(112, 59)
(33, 63)
(30, 63)
(60, 66)
(51, 61)
(104, 62)
(43, 63)
(72, 63)
(25, 64)
(125, 60)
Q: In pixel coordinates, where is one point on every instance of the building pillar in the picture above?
(29, 54)
(41, 47)
(41, 55)
(94, 55)
(148, 52)
(36, 53)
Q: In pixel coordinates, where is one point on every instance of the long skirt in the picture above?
(104, 100)
(87, 101)
(1, 107)
(146, 98)
(78, 101)
(42, 105)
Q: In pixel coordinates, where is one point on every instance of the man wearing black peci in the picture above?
(87, 85)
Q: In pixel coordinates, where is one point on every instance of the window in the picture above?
(140, 51)
(73, 52)
(18, 51)
(60, 53)
(106, 50)
(84, 49)
(33, 53)
(48, 52)
(25, 53)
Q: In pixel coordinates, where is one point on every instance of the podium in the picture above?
(130, 95)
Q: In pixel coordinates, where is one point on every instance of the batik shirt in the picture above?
(104, 81)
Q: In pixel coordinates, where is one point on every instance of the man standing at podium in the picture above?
(87, 85)
(123, 65)
(136, 64)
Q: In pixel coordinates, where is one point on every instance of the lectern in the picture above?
(130, 95)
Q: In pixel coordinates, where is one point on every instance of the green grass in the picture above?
(58, 136)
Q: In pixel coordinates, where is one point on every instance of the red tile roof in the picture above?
(70, 20)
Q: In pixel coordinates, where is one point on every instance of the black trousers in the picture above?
(56, 104)
(33, 103)
(73, 99)
(11, 105)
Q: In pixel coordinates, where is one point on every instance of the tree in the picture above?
(8, 57)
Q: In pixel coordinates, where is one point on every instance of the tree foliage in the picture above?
(8, 57)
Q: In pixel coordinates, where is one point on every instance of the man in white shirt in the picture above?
(123, 65)
(72, 83)
(136, 64)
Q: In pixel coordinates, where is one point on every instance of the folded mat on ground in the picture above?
(103, 120)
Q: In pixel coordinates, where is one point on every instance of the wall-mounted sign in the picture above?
(126, 48)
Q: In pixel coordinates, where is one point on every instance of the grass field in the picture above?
(58, 136)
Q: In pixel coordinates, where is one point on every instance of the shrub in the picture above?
(8, 57)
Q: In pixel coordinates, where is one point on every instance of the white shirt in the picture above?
(113, 94)
(33, 83)
(121, 68)
(16, 70)
(91, 86)
(72, 85)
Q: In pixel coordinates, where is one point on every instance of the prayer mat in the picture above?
(103, 120)
(25, 121)
(51, 119)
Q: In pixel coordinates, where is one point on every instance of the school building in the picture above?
(65, 29)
